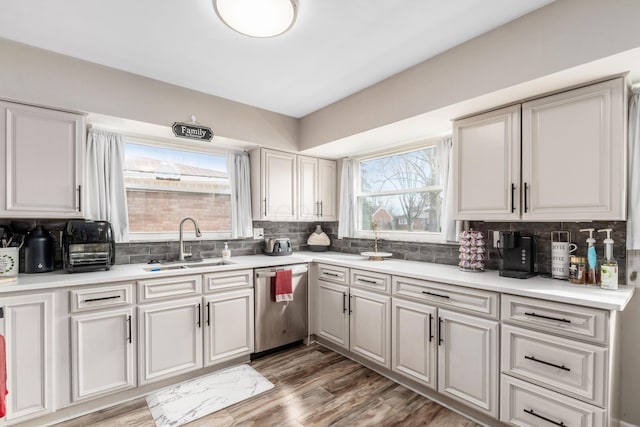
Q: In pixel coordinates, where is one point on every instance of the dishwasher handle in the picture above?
(273, 273)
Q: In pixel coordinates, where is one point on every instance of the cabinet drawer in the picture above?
(332, 273)
(472, 300)
(169, 287)
(372, 281)
(564, 319)
(101, 297)
(214, 282)
(525, 404)
(564, 365)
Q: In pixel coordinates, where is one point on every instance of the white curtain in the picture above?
(348, 210)
(633, 204)
(445, 157)
(105, 194)
(239, 177)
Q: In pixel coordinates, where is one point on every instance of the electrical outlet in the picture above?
(496, 238)
(258, 233)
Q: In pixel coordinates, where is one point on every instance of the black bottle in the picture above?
(38, 251)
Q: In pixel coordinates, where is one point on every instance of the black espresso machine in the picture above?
(88, 246)
(518, 255)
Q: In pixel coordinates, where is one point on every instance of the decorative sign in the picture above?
(192, 131)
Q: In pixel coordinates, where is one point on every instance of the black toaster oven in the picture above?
(88, 246)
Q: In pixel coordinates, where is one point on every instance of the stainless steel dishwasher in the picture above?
(280, 323)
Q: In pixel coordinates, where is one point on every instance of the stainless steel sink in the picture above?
(208, 264)
(191, 264)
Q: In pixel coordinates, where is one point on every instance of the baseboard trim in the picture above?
(626, 424)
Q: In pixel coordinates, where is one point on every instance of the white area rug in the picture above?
(202, 396)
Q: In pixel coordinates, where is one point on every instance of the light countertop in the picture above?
(535, 287)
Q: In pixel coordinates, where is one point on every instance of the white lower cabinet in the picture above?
(354, 319)
(228, 331)
(370, 326)
(525, 404)
(332, 321)
(170, 338)
(413, 341)
(102, 353)
(27, 326)
(468, 360)
(550, 378)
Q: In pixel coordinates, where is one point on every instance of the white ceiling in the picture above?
(336, 48)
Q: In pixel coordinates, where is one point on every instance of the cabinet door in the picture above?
(468, 360)
(43, 155)
(228, 329)
(28, 333)
(327, 189)
(486, 152)
(413, 341)
(574, 155)
(170, 339)
(308, 197)
(102, 356)
(370, 326)
(279, 185)
(333, 313)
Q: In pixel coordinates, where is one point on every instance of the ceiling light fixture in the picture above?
(257, 18)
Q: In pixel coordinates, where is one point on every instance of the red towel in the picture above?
(3, 377)
(281, 287)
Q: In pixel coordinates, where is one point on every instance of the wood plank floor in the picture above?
(314, 386)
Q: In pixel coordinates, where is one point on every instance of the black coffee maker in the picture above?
(518, 254)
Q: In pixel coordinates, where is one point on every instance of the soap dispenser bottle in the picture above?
(609, 267)
(591, 276)
(226, 252)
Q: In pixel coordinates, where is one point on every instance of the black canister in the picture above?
(38, 251)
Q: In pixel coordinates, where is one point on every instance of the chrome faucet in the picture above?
(182, 254)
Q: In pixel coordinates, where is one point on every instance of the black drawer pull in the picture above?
(440, 340)
(547, 363)
(102, 298)
(368, 281)
(430, 327)
(350, 311)
(526, 190)
(530, 412)
(513, 190)
(436, 295)
(331, 274)
(547, 317)
(208, 313)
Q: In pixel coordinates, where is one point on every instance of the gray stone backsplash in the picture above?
(298, 232)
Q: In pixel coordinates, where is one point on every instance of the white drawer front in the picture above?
(225, 280)
(169, 287)
(564, 319)
(334, 274)
(101, 297)
(372, 281)
(568, 366)
(473, 300)
(525, 404)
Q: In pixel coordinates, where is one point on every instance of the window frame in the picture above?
(401, 236)
(186, 145)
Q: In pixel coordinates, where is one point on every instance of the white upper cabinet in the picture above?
(486, 154)
(574, 154)
(571, 151)
(42, 155)
(317, 189)
(273, 185)
(288, 187)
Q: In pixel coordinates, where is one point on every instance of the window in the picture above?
(402, 194)
(166, 184)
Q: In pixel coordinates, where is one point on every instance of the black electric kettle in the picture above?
(38, 251)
